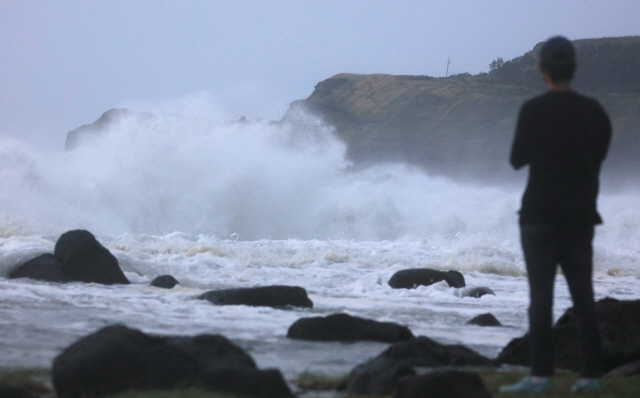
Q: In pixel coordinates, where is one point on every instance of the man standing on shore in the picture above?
(563, 137)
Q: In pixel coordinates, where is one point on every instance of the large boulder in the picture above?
(84, 259)
(243, 382)
(414, 277)
(443, 384)
(117, 358)
(344, 327)
(45, 267)
(619, 323)
(380, 375)
(264, 296)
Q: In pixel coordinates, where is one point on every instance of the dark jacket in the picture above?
(563, 137)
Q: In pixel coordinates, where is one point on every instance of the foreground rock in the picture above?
(164, 282)
(84, 259)
(116, 358)
(412, 278)
(45, 267)
(380, 375)
(619, 323)
(443, 384)
(264, 296)
(344, 327)
(12, 391)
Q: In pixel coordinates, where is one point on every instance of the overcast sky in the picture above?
(63, 63)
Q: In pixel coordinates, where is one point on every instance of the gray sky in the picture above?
(63, 63)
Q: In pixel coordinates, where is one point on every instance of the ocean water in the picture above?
(220, 205)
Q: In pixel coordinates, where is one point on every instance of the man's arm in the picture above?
(521, 148)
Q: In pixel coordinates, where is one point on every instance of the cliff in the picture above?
(462, 126)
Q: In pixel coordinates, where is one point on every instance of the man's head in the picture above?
(558, 59)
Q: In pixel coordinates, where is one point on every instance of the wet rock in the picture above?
(476, 291)
(629, 369)
(164, 282)
(117, 358)
(619, 323)
(84, 259)
(264, 296)
(267, 383)
(442, 384)
(412, 278)
(12, 391)
(484, 320)
(344, 327)
(45, 267)
(380, 375)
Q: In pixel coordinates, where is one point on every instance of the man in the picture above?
(563, 137)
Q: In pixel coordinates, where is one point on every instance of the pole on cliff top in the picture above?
(448, 62)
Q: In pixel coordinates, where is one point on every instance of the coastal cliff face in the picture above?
(462, 126)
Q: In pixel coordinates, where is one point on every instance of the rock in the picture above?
(267, 383)
(344, 327)
(380, 375)
(619, 323)
(164, 282)
(84, 259)
(263, 296)
(12, 391)
(116, 358)
(412, 278)
(443, 384)
(485, 320)
(45, 267)
(630, 369)
(476, 291)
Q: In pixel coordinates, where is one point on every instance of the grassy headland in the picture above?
(462, 125)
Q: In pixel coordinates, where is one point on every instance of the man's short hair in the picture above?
(558, 59)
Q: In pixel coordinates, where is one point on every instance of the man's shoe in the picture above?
(586, 386)
(528, 385)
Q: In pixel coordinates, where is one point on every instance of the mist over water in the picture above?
(180, 170)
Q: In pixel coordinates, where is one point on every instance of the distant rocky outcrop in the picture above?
(462, 126)
(110, 117)
(344, 327)
(117, 358)
(619, 323)
(276, 296)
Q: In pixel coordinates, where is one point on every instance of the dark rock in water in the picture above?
(380, 375)
(263, 296)
(45, 267)
(476, 291)
(619, 323)
(485, 320)
(412, 278)
(116, 358)
(630, 369)
(267, 383)
(84, 259)
(164, 282)
(443, 384)
(344, 327)
(13, 391)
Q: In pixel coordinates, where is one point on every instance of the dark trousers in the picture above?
(546, 246)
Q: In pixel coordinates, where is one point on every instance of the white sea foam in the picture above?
(230, 204)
